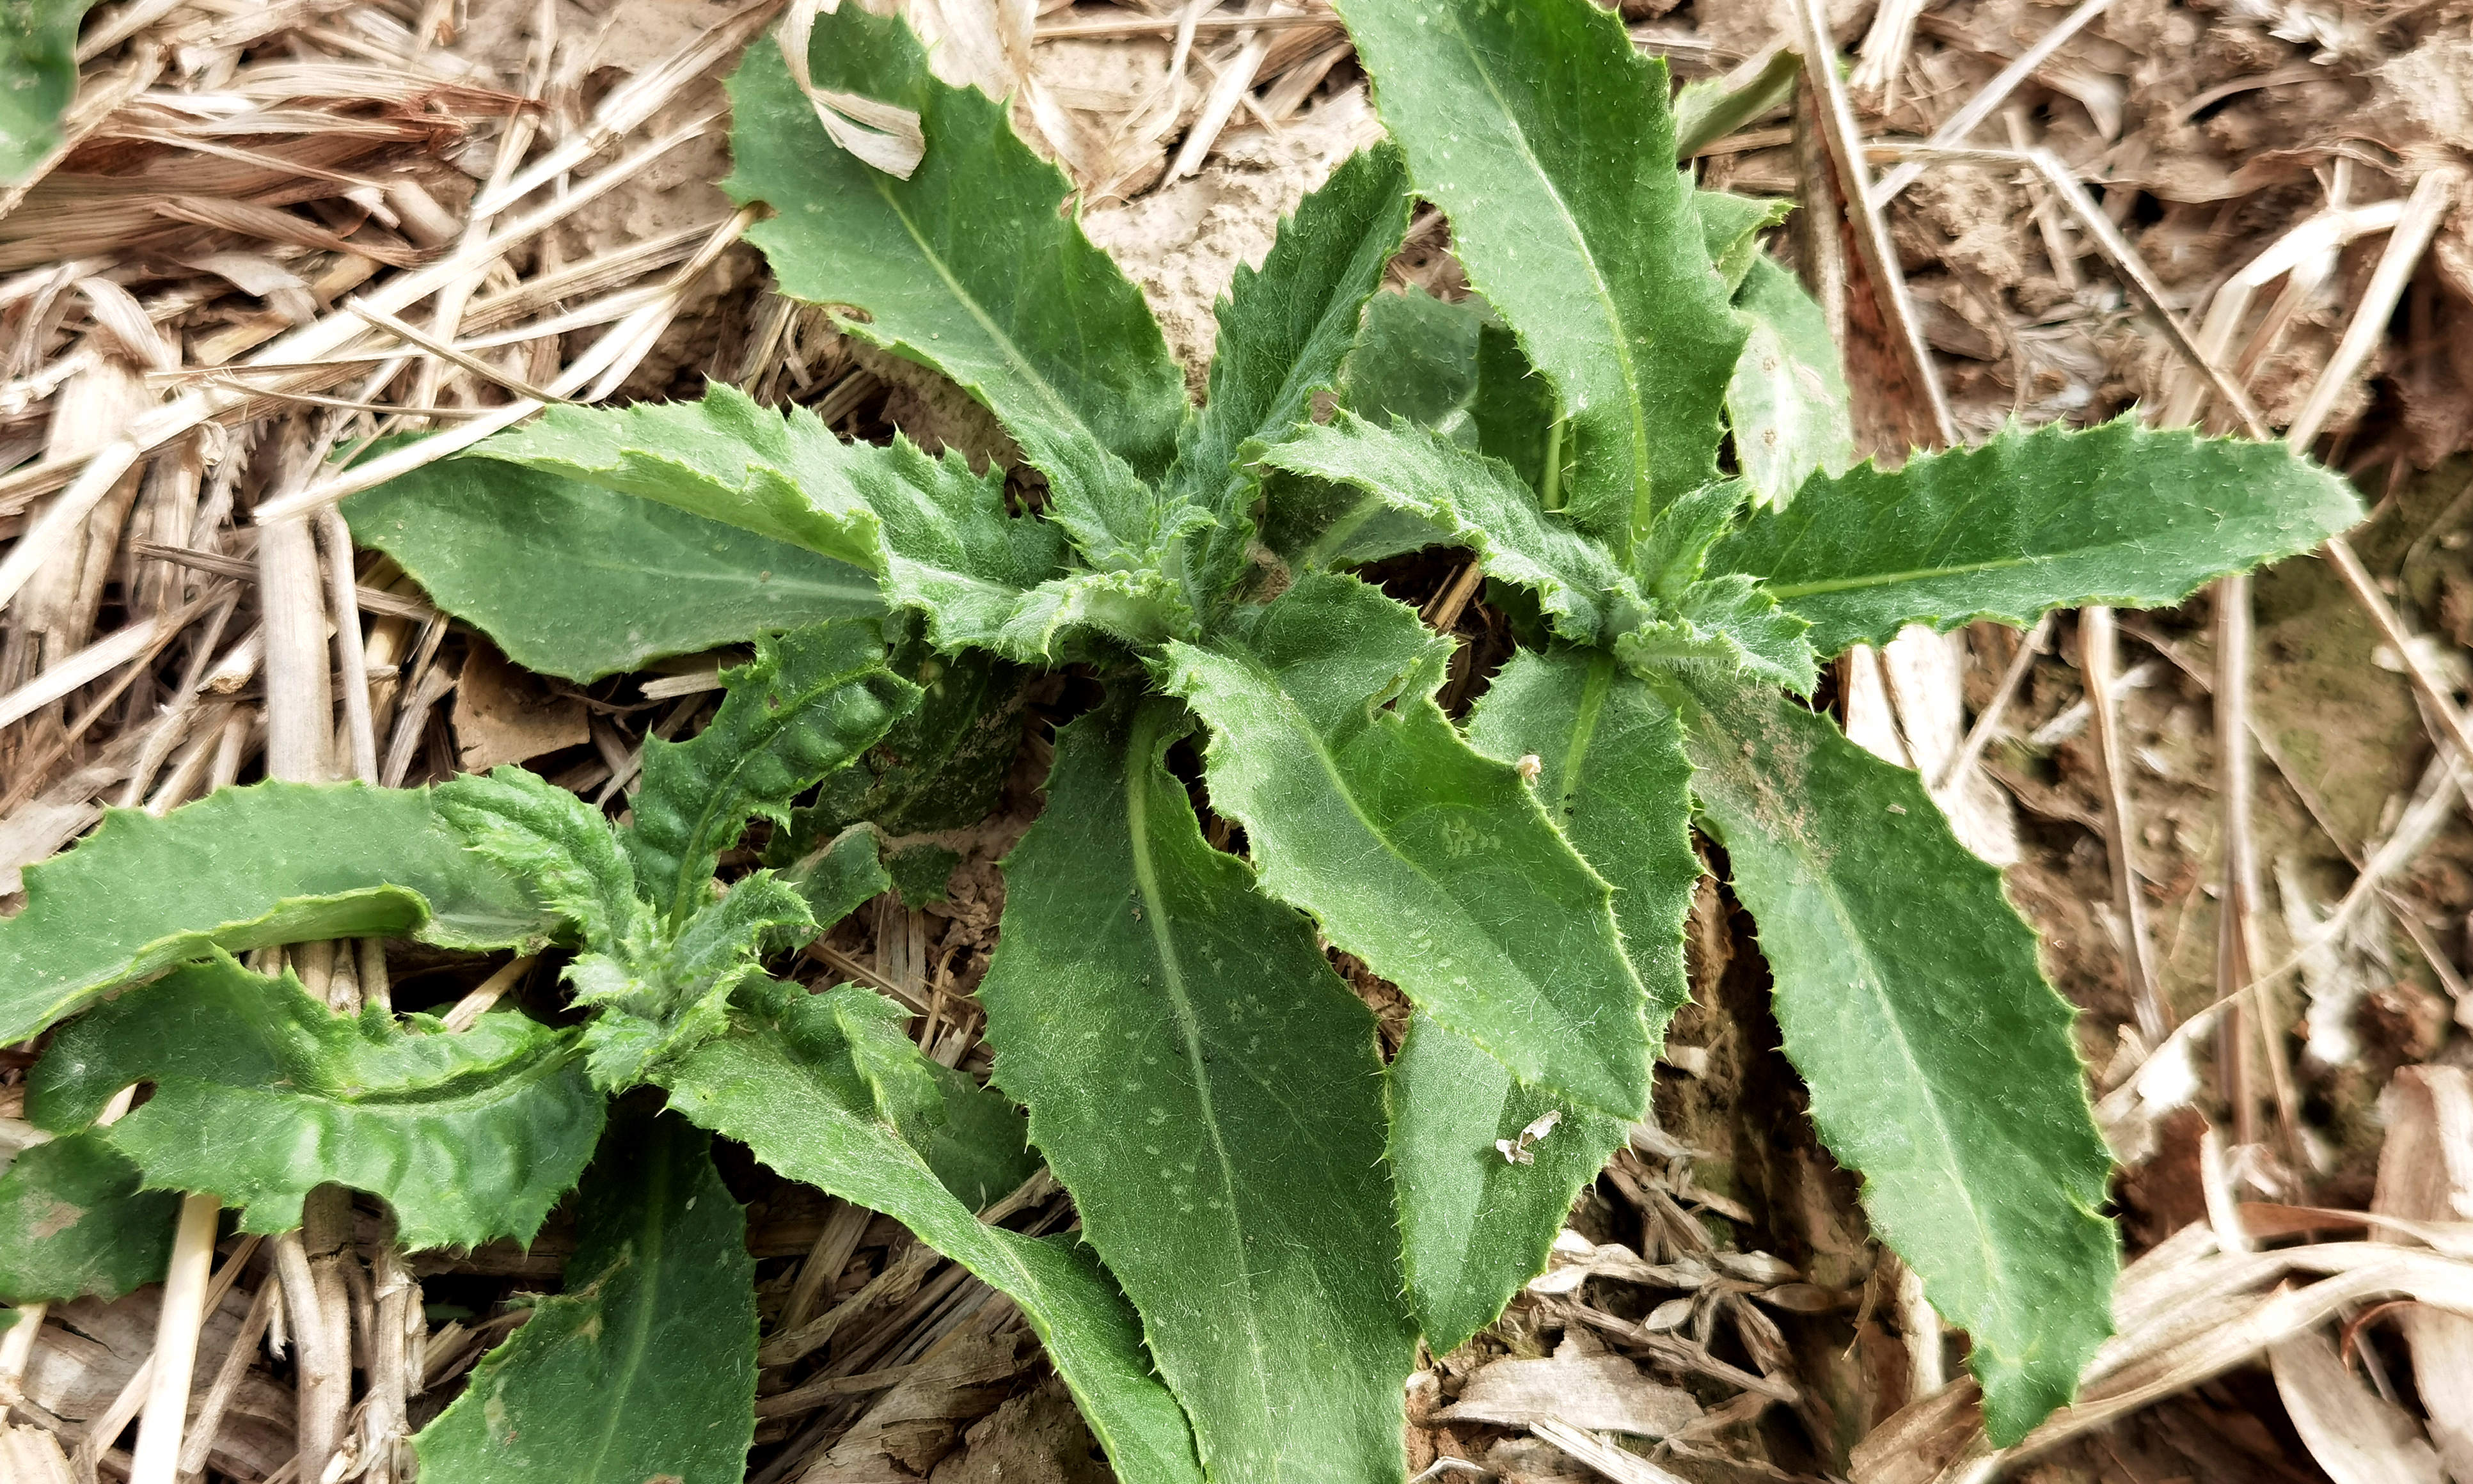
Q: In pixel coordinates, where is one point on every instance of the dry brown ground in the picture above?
(238, 170)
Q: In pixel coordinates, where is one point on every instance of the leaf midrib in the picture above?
(987, 325)
(1786, 591)
(725, 789)
(1321, 753)
(1598, 285)
(647, 1255)
(1872, 981)
(1138, 755)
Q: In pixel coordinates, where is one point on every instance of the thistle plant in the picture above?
(1636, 426)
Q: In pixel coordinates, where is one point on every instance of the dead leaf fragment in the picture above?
(2357, 1437)
(2426, 1174)
(1603, 1392)
(504, 714)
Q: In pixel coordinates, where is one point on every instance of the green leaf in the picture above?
(39, 74)
(262, 1094)
(558, 845)
(1546, 139)
(74, 1222)
(1514, 409)
(1282, 332)
(921, 873)
(943, 764)
(1209, 1090)
(1467, 499)
(1431, 863)
(1473, 501)
(1941, 1064)
(782, 476)
(936, 532)
(809, 703)
(973, 1137)
(1724, 626)
(1610, 771)
(1705, 112)
(970, 265)
(644, 1368)
(1473, 1225)
(247, 868)
(1787, 398)
(1731, 228)
(782, 1084)
(2052, 519)
(655, 1004)
(835, 878)
(572, 579)
(1415, 357)
(1612, 774)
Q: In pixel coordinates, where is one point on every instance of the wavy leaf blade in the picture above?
(1284, 330)
(1941, 1064)
(2052, 519)
(1430, 862)
(1611, 772)
(969, 266)
(1475, 1226)
(644, 1368)
(1209, 1090)
(936, 534)
(1548, 140)
(809, 703)
(1468, 498)
(941, 766)
(261, 1093)
(74, 1221)
(782, 1083)
(241, 869)
(571, 577)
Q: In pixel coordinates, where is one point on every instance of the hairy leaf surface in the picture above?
(1415, 357)
(645, 1367)
(245, 868)
(1940, 1063)
(936, 532)
(1282, 332)
(1475, 1226)
(1611, 772)
(809, 703)
(1209, 1090)
(573, 579)
(73, 1222)
(1469, 499)
(262, 1094)
(651, 1005)
(969, 266)
(1546, 139)
(1731, 226)
(561, 846)
(2051, 519)
(39, 74)
(1722, 626)
(1431, 863)
(835, 878)
(782, 1083)
(973, 1137)
(723, 457)
(1787, 401)
(941, 766)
